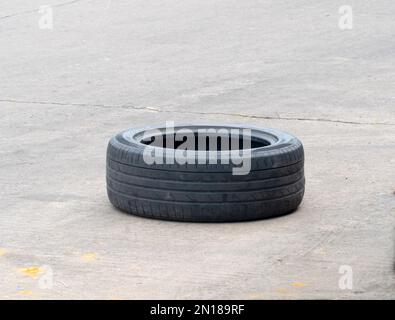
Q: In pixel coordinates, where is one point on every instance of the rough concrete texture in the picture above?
(109, 65)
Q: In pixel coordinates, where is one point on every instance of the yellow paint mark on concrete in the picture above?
(2, 251)
(31, 271)
(282, 291)
(298, 284)
(25, 293)
(89, 256)
(256, 295)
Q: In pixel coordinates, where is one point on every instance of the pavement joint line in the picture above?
(156, 109)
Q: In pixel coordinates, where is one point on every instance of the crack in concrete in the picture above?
(159, 110)
(82, 105)
(36, 10)
(288, 118)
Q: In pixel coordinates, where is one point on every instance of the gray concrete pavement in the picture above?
(109, 65)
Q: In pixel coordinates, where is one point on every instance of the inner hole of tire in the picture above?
(206, 142)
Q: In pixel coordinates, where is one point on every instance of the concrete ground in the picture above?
(109, 65)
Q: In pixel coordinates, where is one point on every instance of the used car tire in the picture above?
(207, 192)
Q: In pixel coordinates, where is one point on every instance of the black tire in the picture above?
(207, 192)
